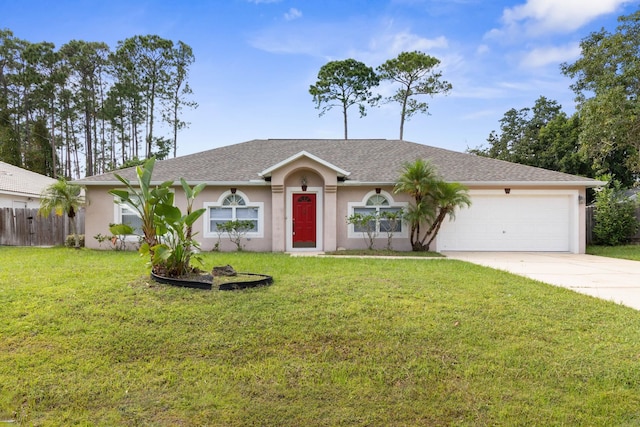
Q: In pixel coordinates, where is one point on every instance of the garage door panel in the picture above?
(510, 223)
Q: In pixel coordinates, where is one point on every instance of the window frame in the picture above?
(117, 218)
(248, 204)
(362, 205)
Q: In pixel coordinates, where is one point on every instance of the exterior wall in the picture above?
(101, 211)
(582, 220)
(19, 201)
(276, 201)
(321, 180)
(348, 194)
(253, 194)
(99, 214)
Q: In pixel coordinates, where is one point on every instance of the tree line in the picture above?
(84, 108)
(603, 136)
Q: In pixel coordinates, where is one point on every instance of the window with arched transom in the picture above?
(385, 214)
(234, 207)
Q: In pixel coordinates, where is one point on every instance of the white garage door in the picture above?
(510, 223)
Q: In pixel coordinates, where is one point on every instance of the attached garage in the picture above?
(524, 220)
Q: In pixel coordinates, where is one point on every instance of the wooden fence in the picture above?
(590, 222)
(24, 227)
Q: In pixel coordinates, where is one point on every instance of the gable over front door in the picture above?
(304, 220)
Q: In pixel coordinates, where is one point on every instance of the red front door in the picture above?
(304, 220)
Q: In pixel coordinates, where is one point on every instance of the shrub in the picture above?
(389, 224)
(70, 241)
(366, 223)
(236, 230)
(615, 215)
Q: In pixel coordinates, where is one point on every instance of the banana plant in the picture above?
(168, 233)
(176, 246)
(144, 198)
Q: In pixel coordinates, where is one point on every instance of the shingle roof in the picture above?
(17, 180)
(367, 160)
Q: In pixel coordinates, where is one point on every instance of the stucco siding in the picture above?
(102, 211)
(253, 195)
(346, 195)
(99, 214)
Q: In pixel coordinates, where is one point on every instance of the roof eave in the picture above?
(20, 193)
(366, 183)
(494, 183)
(267, 172)
(256, 183)
(586, 184)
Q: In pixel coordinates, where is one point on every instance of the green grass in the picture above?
(87, 339)
(631, 252)
(384, 252)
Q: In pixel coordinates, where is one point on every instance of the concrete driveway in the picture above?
(607, 278)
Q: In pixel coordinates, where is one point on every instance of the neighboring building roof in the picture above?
(367, 161)
(15, 180)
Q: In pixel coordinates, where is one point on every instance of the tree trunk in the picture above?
(435, 227)
(88, 140)
(72, 220)
(54, 152)
(403, 114)
(175, 122)
(152, 101)
(344, 115)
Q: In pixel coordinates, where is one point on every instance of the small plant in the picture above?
(118, 236)
(236, 230)
(389, 222)
(217, 245)
(101, 238)
(119, 233)
(74, 241)
(365, 223)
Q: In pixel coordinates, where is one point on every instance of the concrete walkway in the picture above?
(607, 278)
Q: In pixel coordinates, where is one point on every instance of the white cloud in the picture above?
(292, 14)
(388, 43)
(405, 41)
(539, 57)
(358, 39)
(541, 16)
(318, 40)
(483, 49)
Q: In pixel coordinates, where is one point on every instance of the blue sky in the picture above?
(255, 59)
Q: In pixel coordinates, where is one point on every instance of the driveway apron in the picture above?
(606, 278)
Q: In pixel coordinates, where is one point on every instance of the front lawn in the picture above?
(625, 251)
(384, 253)
(87, 339)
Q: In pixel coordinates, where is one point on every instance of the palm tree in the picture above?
(419, 180)
(448, 197)
(62, 198)
(434, 200)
